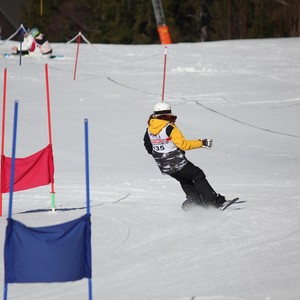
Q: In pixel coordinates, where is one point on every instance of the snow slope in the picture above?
(244, 94)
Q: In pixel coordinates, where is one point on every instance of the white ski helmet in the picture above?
(162, 108)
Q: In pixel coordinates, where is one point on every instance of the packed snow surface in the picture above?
(244, 94)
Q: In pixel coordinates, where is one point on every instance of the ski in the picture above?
(228, 203)
(6, 55)
(57, 57)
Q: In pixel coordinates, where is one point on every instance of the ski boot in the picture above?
(218, 201)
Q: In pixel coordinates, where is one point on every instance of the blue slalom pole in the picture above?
(13, 155)
(12, 177)
(87, 176)
(87, 171)
(90, 289)
(5, 291)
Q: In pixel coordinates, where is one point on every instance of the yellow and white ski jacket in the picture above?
(165, 142)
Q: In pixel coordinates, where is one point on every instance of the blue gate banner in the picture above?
(57, 253)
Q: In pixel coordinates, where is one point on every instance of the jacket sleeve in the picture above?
(179, 140)
(147, 142)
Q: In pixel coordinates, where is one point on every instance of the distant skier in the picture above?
(41, 46)
(165, 142)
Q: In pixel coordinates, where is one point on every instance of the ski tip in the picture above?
(228, 203)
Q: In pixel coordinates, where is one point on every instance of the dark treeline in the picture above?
(133, 21)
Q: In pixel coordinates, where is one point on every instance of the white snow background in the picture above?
(244, 94)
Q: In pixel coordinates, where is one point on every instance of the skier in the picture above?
(41, 46)
(165, 142)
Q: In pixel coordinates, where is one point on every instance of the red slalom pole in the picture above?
(164, 77)
(77, 52)
(3, 131)
(50, 130)
(3, 110)
(48, 103)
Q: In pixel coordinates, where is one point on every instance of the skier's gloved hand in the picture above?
(207, 143)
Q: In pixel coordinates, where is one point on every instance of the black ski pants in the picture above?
(194, 184)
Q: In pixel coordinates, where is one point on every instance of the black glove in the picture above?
(207, 143)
